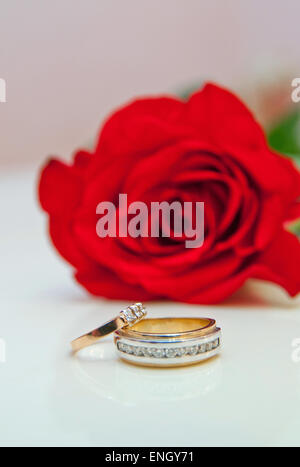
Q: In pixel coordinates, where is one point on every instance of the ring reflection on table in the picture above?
(134, 385)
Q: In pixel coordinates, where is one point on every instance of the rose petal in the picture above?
(138, 129)
(60, 188)
(101, 281)
(65, 241)
(82, 160)
(223, 119)
(280, 262)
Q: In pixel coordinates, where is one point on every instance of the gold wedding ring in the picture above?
(126, 318)
(169, 341)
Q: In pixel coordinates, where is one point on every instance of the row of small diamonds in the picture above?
(169, 352)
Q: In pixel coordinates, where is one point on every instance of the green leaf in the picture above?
(187, 91)
(285, 136)
(295, 228)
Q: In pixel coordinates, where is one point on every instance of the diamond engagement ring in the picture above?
(126, 318)
(169, 341)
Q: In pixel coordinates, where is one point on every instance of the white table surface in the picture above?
(250, 395)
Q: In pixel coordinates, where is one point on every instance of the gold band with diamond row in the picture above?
(126, 318)
(169, 341)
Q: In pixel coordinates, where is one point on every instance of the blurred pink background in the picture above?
(67, 63)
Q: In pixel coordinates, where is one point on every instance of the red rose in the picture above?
(207, 149)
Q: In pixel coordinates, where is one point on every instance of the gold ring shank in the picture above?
(127, 317)
(92, 337)
(171, 328)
